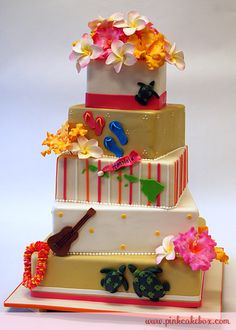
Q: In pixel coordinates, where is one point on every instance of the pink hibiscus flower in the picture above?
(197, 249)
(105, 34)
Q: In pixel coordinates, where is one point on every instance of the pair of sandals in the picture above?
(110, 143)
(96, 124)
(115, 127)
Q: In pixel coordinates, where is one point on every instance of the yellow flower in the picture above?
(155, 57)
(78, 130)
(201, 229)
(63, 139)
(221, 255)
(150, 46)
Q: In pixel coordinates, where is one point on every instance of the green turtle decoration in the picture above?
(147, 284)
(145, 93)
(114, 279)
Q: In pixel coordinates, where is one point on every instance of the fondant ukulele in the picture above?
(60, 243)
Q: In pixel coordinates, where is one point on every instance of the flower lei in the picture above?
(43, 250)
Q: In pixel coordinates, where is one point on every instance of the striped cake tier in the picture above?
(77, 180)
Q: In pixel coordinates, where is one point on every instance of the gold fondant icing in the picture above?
(83, 272)
(152, 133)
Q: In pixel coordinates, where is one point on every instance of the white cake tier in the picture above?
(77, 180)
(102, 79)
(125, 228)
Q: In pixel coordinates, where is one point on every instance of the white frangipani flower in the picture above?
(86, 148)
(121, 54)
(84, 50)
(166, 250)
(116, 17)
(175, 57)
(135, 22)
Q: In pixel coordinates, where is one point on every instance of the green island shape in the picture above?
(94, 168)
(151, 188)
(131, 178)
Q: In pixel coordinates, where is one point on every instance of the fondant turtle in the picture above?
(146, 283)
(114, 279)
(146, 92)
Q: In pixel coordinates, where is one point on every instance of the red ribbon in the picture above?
(125, 161)
(123, 102)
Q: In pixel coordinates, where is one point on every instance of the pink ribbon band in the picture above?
(123, 102)
(125, 161)
(114, 300)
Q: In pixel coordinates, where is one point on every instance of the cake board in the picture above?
(211, 300)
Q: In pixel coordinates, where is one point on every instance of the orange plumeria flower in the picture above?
(63, 139)
(221, 255)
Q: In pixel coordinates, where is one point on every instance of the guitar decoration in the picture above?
(60, 243)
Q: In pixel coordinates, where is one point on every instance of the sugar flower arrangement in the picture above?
(71, 141)
(196, 247)
(119, 41)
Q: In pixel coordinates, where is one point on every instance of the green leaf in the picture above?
(151, 188)
(93, 168)
(131, 178)
(126, 185)
(105, 175)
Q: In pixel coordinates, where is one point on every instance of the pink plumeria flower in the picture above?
(121, 54)
(116, 17)
(135, 22)
(84, 51)
(86, 148)
(166, 250)
(175, 57)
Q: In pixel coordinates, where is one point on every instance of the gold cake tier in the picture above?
(152, 133)
(83, 272)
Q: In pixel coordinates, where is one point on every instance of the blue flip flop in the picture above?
(117, 129)
(111, 145)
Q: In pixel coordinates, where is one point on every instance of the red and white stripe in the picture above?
(76, 182)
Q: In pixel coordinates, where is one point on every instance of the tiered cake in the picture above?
(125, 226)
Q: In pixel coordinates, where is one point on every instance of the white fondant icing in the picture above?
(136, 231)
(102, 79)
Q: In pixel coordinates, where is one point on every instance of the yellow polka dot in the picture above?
(122, 247)
(189, 216)
(60, 214)
(123, 216)
(157, 233)
(91, 230)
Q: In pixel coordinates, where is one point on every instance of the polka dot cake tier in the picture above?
(125, 227)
